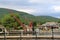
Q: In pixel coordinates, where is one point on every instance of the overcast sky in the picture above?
(35, 7)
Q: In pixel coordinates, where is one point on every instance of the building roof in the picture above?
(54, 24)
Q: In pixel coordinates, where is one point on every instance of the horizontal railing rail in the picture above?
(26, 35)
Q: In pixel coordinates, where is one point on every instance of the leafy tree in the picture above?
(9, 22)
(59, 21)
(42, 22)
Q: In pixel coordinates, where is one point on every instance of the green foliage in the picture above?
(34, 24)
(59, 21)
(9, 22)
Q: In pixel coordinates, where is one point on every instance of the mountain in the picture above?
(4, 11)
(26, 16)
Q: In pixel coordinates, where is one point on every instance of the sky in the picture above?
(34, 7)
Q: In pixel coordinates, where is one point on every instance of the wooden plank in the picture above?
(29, 37)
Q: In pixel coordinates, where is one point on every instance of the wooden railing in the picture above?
(26, 36)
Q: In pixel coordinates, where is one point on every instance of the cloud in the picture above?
(30, 11)
(33, 1)
(56, 8)
(36, 7)
(20, 8)
(44, 1)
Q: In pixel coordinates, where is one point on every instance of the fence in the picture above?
(21, 35)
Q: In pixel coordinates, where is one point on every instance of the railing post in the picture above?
(20, 35)
(36, 35)
(4, 34)
(52, 34)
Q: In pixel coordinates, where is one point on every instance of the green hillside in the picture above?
(27, 17)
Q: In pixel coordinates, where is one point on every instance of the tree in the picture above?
(42, 22)
(9, 22)
(59, 21)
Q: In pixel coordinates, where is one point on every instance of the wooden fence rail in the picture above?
(35, 36)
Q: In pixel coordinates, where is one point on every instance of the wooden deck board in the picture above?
(40, 37)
